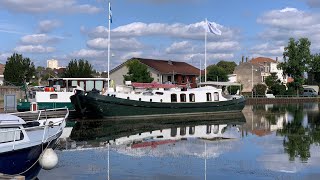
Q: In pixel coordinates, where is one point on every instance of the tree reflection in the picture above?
(297, 138)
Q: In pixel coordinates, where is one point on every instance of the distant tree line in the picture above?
(20, 70)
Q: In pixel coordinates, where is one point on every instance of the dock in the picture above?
(11, 177)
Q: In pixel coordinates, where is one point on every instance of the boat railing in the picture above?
(46, 136)
(42, 114)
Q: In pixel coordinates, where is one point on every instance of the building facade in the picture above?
(256, 70)
(52, 64)
(162, 71)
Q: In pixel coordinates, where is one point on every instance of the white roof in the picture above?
(9, 119)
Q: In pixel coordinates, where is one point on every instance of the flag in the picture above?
(110, 13)
(212, 27)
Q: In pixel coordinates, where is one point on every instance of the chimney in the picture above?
(247, 59)
(277, 58)
(242, 59)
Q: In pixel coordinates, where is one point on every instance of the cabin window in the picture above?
(173, 98)
(159, 93)
(89, 85)
(183, 131)
(191, 97)
(209, 129)
(99, 85)
(209, 97)
(74, 83)
(216, 96)
(10, 134)
(192, 130)
(183, 98)
(173, 132)
(82, 84)
(53, 96)
(215, 129)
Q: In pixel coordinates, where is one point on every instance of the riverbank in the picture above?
(280, 100)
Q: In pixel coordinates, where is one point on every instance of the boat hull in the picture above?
(25, 106)
(94, 104)
(21, 160)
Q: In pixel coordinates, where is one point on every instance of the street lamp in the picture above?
(252, 79)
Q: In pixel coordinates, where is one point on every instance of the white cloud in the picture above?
(180, 47)
(280, 25)
(46, 26)
(193, 31)
(45, 6)
(4, 56)
(88, 53)
(122, 44)
(179, 42)
(34, 49)
(267, 50)
(39, 39)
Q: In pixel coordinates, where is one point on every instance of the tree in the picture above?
(259, 89)
(227, 66)
(79, 69)
(275, 85)
(216, 73)
(315, 67)
(137, 72)
(18, 70)
(296, 58)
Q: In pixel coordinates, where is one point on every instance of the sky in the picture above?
(158, 29)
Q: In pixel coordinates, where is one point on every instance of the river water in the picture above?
(262, 142)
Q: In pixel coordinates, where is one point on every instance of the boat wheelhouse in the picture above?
(22, 143)
(57, 94)
(131, 101)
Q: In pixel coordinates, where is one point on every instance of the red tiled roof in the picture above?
(2, 66)
(290, 79)
(169, 67)
(260, 60)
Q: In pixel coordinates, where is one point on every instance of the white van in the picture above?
(309, 92)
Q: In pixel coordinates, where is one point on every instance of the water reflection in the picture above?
(151, 133)
(262, 142)
(298, 124)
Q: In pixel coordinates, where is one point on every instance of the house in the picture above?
(162, 71)
(256, 70)
(268, 66)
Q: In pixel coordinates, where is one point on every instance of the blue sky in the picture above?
(160, 29)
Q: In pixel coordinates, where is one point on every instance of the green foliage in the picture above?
(315, 67)
(296, 58)
(137, 72)
(275, 85)
(216, 73)
(79, 69)
(259, 89)
(233, 89)
(227, 66)
(18, 69)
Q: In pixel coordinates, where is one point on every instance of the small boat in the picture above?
(26, 147)
(57, 94)
(162, 99)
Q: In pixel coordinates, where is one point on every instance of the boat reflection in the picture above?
(152, 133)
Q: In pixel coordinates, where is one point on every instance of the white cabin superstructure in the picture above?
(173, 95)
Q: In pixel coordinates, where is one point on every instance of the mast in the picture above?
(205, 53)
(109, 22)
